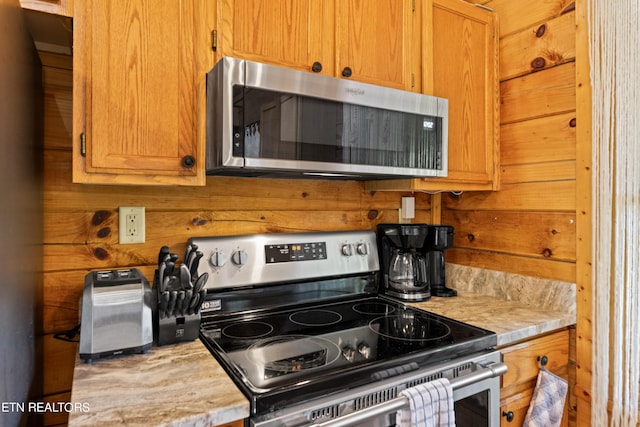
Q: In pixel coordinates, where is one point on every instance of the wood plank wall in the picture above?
(528, 227)
(81, 224)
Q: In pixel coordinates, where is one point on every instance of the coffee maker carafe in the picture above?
(412, 260)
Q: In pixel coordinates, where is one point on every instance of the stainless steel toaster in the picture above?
(115, 314)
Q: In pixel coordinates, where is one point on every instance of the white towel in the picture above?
(430, 405)
(547, 403)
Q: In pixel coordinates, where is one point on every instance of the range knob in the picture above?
(217, 259)
(346, 249)
(364, 350)
(349, 353)
(239, 257)
(362, 249)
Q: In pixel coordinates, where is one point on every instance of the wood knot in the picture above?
(304, 194)
(572, 122)
(547, 253)
(101, 253)
(104, 232)
(471, 237)
(372, 214)
(99, 217)
(554, 232)
(199, 222)
(538, 63)
(541, 30)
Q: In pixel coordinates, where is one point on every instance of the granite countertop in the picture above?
(512, 321)
(174, 385)
(513, 306)
(183, 385)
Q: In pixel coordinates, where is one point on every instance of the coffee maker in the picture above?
(412, 260)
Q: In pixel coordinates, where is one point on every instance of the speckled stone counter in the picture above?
(515, 307)
(175, 385)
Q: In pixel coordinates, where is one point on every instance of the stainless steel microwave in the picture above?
(264, 120)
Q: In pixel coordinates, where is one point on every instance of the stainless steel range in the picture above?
(297, 322)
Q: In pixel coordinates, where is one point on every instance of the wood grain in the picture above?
(539, 47)
(545, 93)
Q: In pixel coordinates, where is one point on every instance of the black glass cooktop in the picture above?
(298, 353)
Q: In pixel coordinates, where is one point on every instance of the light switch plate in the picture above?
(132, 225)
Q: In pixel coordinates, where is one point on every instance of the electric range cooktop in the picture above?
(298, 353)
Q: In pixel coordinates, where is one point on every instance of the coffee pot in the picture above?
(412, 260)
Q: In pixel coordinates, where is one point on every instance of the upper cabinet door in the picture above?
(295, 34)
(465, 71)
(140, 92)
(377, 43)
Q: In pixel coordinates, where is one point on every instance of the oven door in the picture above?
(478, 404)
(476, 395)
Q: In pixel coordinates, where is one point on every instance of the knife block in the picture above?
(172, 329)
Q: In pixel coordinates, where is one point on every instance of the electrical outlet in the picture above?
(132, 227)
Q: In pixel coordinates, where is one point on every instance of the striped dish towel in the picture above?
(547, 403)
(430, 405)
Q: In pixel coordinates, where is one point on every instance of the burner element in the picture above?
(247, 330)
(315, 317)
(411, 327)
(288, 354)
(376, 308)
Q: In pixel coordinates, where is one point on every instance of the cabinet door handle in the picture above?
(316, 67)
(188, 161)
(508, 415)
(543, 360)
(346, 72)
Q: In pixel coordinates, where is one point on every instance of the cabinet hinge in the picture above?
(214, 40)
(83, 145)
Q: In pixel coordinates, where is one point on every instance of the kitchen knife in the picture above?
(188, 295)
(164, 301)
(200, 282)
(166, 283)
(193, 267)
(172, 303)
(185, 277)
(179, 304)
(187, 252)
(201, 296)
(169, 267)
(164, 251)
(194, 301)
(161, 271)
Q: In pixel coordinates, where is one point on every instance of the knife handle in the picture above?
(172, 303)
(179, 310)
(201, 296)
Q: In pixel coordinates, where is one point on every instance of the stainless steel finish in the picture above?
(230, 71)
(355, 418)
(375, 405)
(249, 266)
(116, 314)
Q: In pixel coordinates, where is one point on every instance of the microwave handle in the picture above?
(354, 418)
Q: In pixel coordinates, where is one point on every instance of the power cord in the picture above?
(69, 335)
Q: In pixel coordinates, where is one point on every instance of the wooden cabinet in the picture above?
(239, 423)
(460, 63)
(139, 91)
(523, 361)
(372, 42)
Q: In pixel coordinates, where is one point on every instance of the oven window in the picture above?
(473, 411)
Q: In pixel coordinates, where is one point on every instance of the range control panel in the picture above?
(249, 260)
(289, 252)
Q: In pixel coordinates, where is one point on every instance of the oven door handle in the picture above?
(490, 371)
